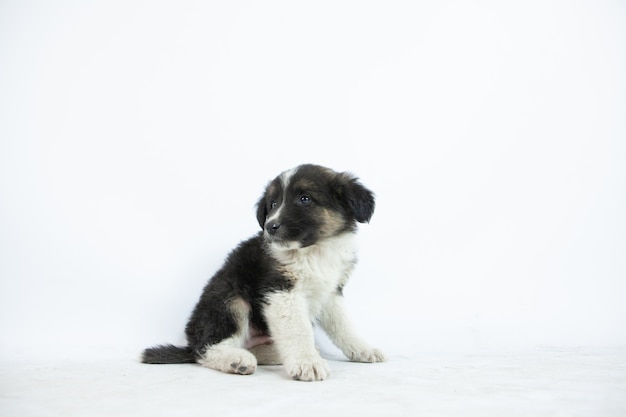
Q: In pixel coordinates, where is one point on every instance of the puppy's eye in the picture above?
(305, 200)
(273, 204)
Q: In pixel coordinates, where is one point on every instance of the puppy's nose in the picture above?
(272, 227)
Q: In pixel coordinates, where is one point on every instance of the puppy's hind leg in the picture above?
(267, 354)
(229, 355)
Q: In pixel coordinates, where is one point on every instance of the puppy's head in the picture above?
(309, 203)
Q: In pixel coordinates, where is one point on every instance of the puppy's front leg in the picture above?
(336, 324)
(290, 326)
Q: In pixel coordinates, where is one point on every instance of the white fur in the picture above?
(286, 176)
(291, 329)
(316, 271)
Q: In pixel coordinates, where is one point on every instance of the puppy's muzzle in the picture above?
(272, 227)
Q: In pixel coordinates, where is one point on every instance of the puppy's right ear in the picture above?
(261, 210)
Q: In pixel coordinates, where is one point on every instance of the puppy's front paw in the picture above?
(366, 354)
(309, 370)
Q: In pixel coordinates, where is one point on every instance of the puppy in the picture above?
(259, 308)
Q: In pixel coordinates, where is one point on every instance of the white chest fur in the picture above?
(317, 271)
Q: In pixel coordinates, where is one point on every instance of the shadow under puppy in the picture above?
(260, 306)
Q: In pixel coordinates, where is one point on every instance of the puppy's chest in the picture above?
(317, 272)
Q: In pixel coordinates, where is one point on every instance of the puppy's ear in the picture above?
(358, 199)
(261, 210)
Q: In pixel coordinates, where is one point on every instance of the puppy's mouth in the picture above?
(280, 242)
(284, 244)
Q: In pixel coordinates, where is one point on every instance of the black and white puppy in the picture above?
(259, 308)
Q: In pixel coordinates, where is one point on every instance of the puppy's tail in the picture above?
(163, 354)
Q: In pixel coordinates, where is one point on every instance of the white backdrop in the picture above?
(135, 138)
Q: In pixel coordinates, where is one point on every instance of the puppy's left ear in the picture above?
(359, 199)
(261, 210)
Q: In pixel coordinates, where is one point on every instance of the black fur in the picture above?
(250, 272)
(163, 354)
(359, 199)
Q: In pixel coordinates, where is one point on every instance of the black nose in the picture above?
(272, 227)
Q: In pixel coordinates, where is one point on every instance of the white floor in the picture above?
(540, 382)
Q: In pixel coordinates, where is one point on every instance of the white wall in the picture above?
(135, 138)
